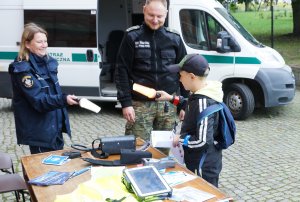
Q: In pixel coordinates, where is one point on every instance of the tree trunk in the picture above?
(296, 17)
(247, 5)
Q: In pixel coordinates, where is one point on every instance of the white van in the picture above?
(84, 36)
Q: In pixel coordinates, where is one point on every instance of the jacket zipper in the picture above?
(155, 59)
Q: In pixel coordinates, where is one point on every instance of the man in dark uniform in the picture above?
(144, 53)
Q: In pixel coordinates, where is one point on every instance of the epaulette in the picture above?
(17, 67)
(172, 30)
(132, 28)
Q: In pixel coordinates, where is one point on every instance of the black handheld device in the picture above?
(72, 154)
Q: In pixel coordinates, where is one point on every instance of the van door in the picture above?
(11, 23)
(113, 20)
(199, 31)
(72, 40)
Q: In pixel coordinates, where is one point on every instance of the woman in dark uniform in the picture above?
(38, 102)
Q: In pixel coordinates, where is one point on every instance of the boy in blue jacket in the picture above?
(198, 139)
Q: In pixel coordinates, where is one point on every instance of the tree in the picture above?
(247, 4)
(227, 2)
(296, 17)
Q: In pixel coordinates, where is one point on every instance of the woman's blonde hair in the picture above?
(30, 30)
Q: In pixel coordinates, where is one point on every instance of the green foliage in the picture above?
(233, 7)
(244, 1)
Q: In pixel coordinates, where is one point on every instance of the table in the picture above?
(32, 167)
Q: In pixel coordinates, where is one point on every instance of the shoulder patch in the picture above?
(172, 30)
(133, 28)
(27, 81)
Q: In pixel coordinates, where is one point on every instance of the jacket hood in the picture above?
(213, 90)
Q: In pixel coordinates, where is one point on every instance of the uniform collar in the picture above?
(35, 60)
(39, 59)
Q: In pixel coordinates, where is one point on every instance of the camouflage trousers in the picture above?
(151, 115)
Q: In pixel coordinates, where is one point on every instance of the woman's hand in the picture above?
(72, 100)
(164, 96)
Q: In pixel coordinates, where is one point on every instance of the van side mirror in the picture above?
(90, 55)
(226, 43)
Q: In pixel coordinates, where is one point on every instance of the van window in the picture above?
(238, 26)
(66, 28)
(199, 29)
(213, 29)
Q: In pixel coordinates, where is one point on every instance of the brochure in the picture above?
(51, 178)
(190, 194)
(55, 160)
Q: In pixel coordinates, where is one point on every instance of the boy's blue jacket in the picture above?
(38, 103)
(201, 135)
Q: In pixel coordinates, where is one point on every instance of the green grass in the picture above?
(259, 25)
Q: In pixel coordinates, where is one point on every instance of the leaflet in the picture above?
(55, 160)
(51, 178)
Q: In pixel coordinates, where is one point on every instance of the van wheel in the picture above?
(240, 100)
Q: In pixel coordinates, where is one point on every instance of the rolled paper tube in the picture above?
(149, 92)
(85, 103)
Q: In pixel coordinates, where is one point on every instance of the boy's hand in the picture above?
(164, 96)
(181, 115)
(176, 140)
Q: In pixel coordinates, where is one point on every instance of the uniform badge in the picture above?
(27, 81)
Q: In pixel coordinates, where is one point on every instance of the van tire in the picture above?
(240, 100)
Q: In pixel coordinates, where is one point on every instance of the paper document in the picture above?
(190, 194)
(178, 153)
(162, 139)
(174, 178)
(101, 171)
(102, 187)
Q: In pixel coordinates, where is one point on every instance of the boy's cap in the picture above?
(192, 63)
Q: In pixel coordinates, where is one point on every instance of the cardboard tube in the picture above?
(149, 92)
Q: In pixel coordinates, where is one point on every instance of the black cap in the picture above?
(192, 63)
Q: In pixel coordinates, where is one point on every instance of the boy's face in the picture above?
(185, 79)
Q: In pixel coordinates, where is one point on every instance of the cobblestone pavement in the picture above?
(263, 164)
